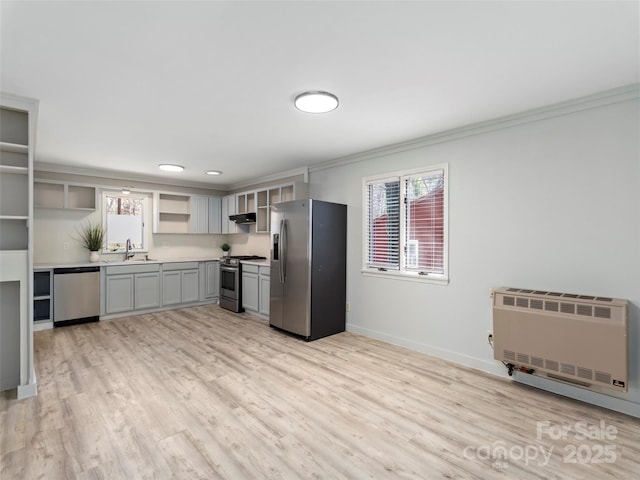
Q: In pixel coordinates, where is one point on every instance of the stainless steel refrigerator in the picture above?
(308, 267)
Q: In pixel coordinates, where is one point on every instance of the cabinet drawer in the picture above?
(128, 269)
(265, 271)
(250, 268)
(179, 266)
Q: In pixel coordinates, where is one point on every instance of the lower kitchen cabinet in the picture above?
(152, 286)
(250, 288)
(131, 287)
(190, 283)
(180, 283)
(119, 293)
(265, 290)
(210, 280)
(147, 290)
(256, 289)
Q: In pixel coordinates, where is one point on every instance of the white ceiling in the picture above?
(125, 86)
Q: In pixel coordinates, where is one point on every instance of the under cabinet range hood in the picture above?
(249, 217)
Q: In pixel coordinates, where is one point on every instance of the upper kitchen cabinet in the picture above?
(62, 195)
(17, 140)
(266, 198)
(205, 214)
(183, 213)
(228, 207)
(215, 214)
(199, 214)
(172, 213)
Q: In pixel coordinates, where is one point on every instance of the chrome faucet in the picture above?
(127, 254)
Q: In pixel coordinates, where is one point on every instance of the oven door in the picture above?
(229, 281)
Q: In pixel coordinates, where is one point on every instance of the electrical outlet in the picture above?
(65, 245)
(490, 336)
(348, 307)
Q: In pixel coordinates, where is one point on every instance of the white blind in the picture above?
(424, 222)
(383, 223)
(124, 221)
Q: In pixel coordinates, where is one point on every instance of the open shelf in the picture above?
(13, 188)
(81, 197)
(48, 195)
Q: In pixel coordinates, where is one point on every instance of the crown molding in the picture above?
(600, 99)
(126, 176)
(304, 171)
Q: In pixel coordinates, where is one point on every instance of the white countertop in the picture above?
(260, 263)
(108, 263)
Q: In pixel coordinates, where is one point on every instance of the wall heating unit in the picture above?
(581, 339)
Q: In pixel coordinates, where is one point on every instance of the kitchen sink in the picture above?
(136, 260)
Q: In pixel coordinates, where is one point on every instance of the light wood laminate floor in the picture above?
(205, 393)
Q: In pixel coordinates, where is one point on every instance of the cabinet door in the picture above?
(147, 291)
(265, 295)
(199, 214)
(228, 208)
(10, 309)
(215, 215)
(250, 291)
(190, 285)
(171, 287)
(212, 280)
(119, 291)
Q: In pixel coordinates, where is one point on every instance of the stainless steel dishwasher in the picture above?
(76, 295)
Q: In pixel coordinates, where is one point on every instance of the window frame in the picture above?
(403, 273)
(145, 217)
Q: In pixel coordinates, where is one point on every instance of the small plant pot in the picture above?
(94, 257)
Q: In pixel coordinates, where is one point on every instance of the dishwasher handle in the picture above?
(63, 271)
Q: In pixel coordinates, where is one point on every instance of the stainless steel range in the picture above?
(230, 281)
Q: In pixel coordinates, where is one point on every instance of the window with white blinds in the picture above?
(405, 223)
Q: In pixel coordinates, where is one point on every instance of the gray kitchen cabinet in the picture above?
(171, 287)
(229, 207)
(131, 287)
(215, 215)
(205, 214)
(180, 283)
(190, 283)
(210, 280)
(250, 287)
(147, 290)
(119, 293)
(265, 290)
(199, 220)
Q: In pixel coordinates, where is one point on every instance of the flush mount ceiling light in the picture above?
(213, 172)
(126, 191)
(167, 167)
(316, 102)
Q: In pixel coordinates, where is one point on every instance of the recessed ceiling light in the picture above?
(316, 102)
(167, 167)
(213, 172)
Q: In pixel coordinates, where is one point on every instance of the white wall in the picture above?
(553, 204)
(53, 228)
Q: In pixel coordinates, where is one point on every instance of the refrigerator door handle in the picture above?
(283, 250)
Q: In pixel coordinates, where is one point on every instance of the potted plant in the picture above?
(225, 247)
(92, 238)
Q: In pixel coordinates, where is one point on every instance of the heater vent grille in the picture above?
(564, 336)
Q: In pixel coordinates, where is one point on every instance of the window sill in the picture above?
(410, 277)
